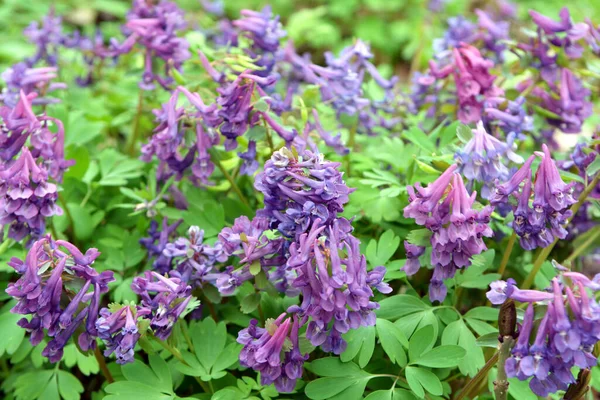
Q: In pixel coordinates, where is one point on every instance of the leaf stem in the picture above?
(103, 367)
(506, 256)
(501, 383)
(474, 382)
(582, 247)
(214, 158)
(546, 251)
(136, 122)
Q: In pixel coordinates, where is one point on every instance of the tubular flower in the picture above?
(482, 157)
(537, 225)
(446, 209)
(157, 242)
(118, 328)
(299, 189)
(513, 120)
(273, 351)
(20, 77)
(155, 28)
(265, 32)
(19, 123)
(41, 293)
(47, 36)
(164, 299)
(472, 79)
(565, 337)
(26, 197)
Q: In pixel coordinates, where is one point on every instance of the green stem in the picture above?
(501, 383)
(180, 358)
(582, 247)
(5, 245)
(546, 251)
(234, 186)
(474, 382)
(103, 367)
(186, 335)
(506, 256)
(136, 123)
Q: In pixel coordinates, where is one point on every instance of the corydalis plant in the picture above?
(155, 27)
(564, 338)
(539, 222)
(60, 291)
(446, 209)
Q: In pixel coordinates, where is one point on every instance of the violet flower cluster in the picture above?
(446, 209)
(21, 77)
(155, 27)
(539, 223)
(265, 32)
(483, 159)
(472, 78)
(341, 84)
(27, 196)
(564, 338)
(60, 291)
(164, 300)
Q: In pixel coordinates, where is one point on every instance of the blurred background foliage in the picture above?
(400, 31)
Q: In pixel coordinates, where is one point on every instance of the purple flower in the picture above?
(569, 101)
(564, 338)
(164, 299)
(300, 188)
(457, 229)
(155, 28)
(265, 33)
(26, 197)
(413, 252)
(263, 350)
(20, 123)
(118, 328)
(539, 224)
(157, 242)
(40, 291)
(573, 32)
(47, 37)
(20, 77)
(482, 157)
(460, 30)
(493, 33)
(513, 120)
(250, 164)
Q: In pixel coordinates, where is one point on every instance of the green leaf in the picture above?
(12, 334)
(361, 342)
(116, 169)
(250, 303)
(341, 380)
(457, 333)
(419, 379)
(380, 395)
(419, 237)
(441, 357)
(69, 386)
(394, 307)
(87, 364)
(464, 133)
(488, 340)
(420, 342)
(483, 313)
(209, 340)
(520, 390)
(126, 390)
(379, 252)
(416, 136)
(403, 394)
(594, 167)
(33, 385)
(392, 340)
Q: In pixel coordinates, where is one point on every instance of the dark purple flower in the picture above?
(157, 242)
(164, 299)
(250, 164)
(512, 120)
(118, 328)
(52, 306)
(413, 252)
(155, 28)
(460, 30)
